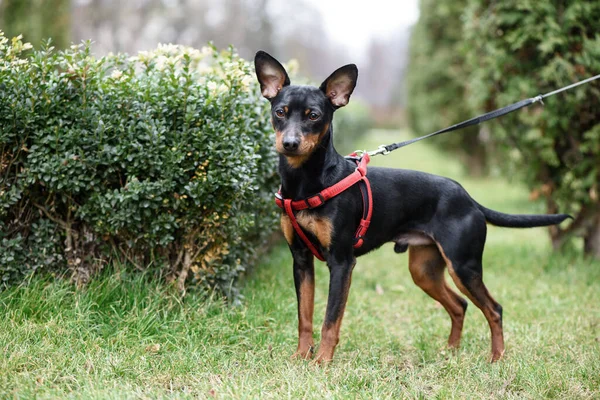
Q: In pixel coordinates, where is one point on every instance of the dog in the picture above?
(432, 217)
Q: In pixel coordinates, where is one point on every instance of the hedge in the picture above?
(517, 50)
(496, 53)
(162, 162)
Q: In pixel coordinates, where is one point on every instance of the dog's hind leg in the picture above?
(463, 254)
(468, 279)
(426, 266)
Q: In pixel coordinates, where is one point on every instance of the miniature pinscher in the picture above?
(431, 216)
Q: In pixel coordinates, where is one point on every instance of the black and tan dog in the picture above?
(434, 217)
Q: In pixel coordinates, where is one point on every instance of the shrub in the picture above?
(496, 53)
(161, 160)
(518, 49)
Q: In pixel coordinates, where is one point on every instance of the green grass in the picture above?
(124, 336)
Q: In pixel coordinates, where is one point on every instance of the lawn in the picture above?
(125, 336)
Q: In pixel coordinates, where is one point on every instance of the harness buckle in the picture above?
(358, 242)
(321, 198)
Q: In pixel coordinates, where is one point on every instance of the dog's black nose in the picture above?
(290, 144)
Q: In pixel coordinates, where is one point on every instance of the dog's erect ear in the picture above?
(270, 73)
(340, 85)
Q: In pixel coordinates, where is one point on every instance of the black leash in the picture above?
(477, 120)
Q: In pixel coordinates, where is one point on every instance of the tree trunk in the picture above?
(591, 240)
(476, 163)
(475, 153)
(185, 269)
(586, 226)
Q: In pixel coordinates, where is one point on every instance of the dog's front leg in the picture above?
(304, 280)
(340, 277)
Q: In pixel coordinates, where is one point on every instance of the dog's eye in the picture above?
(313, 116)
(280, 113)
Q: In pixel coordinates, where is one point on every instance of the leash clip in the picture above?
(380, 150)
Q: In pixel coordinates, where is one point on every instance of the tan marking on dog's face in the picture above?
(296, 161)
(308, 144)
(324, 131)
(279, 142)
(287, 228)
(321, 227)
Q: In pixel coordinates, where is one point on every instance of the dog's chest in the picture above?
(319, 226)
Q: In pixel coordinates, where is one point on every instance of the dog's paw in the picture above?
(303, 354)
(320, 362)
(322, 359)
(497, 356)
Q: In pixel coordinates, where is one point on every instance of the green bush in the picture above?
(163, 160)
(518, 49)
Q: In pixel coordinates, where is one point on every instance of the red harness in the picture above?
(358, 176)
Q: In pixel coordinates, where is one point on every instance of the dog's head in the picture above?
(301, 115)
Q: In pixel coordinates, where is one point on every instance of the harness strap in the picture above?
(320, 198)
(363, 226)
(358, 176)
(290, 212)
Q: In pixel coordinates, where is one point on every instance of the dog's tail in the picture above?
(521, 220)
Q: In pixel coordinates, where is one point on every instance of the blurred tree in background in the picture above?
(287, 30)
(437, 81)
(516, 49)
(350, 124)
(38, 20)
(473, 56)
(118, 26)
